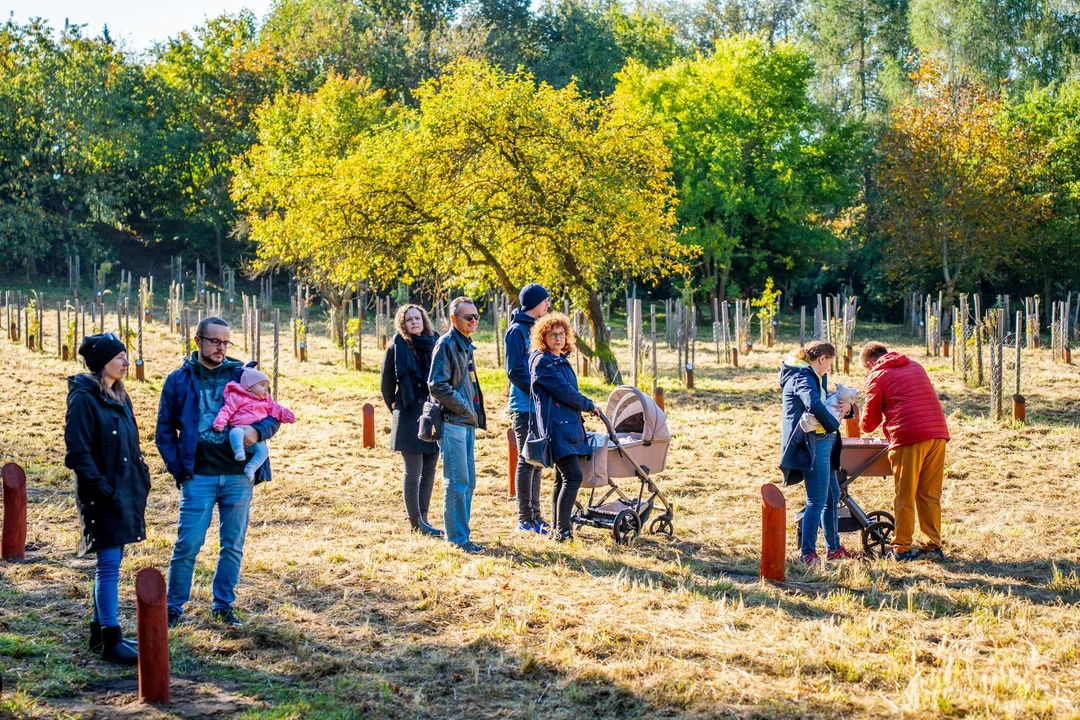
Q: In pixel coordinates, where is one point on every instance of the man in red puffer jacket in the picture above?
(899, 394)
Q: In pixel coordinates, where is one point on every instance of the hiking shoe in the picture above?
(907, 555)
(842, 553)
(540, 527)
(934, 554)
(526, 527)
(562, 536)
(174, 618)
(811, 559)
(472, 548)
(228, 617)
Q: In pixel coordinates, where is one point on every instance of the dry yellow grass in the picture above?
(351, 615)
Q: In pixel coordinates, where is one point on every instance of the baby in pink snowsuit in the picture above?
(249, 402)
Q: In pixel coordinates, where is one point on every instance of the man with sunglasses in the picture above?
(205, 468)
(453, 382)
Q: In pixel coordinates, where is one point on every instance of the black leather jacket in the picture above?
(450, 384)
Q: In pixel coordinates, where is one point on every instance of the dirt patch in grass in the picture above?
(350, 614)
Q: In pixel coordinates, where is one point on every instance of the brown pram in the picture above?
(635, 445)
(861, 457)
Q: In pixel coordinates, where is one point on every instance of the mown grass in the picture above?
(351, 615)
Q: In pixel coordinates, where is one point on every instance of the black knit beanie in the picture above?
(98, 350)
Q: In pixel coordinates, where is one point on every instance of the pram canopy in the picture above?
(632, 411)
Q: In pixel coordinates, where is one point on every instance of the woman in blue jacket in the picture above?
(558, 406)
(814, 456)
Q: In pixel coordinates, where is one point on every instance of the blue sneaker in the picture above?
(526, 527)
(541, 528)
(936, 554)
(907, 555)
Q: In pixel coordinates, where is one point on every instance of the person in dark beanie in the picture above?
(404, 390)
(533, 303)
(206, 470)
(111, 481)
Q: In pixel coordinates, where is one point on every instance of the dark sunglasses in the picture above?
(470, 317)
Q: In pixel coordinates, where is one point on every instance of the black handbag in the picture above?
(431, 421)
(537, 450)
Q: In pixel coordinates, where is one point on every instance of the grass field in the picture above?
(351, 615)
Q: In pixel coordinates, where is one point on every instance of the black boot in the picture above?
(95, 639)
(114, 649)
(427, 529)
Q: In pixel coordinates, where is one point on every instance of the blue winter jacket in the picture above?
(558, 404)
(177, 431)
(802, 392)
(517, 360)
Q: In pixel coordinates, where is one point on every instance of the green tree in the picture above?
(758, 164)
(72, 129)
(205, 86)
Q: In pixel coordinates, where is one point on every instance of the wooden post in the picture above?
(689, 376)
(658, 397)
(277, 345)
(512, 460)
(652, 326)
(802, 325)
(369, 425)
(1019, 409)
(735, 356)
(152, 631)
(773, 532)
(13, 542)
(851, 424)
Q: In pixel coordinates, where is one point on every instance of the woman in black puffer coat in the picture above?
(111, 481)
(404, 390)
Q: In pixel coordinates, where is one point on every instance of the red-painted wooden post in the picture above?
(735, 357)
(658, 396)
(13, 543)
(773, 532)
(369, 425)
(689, 376)
(153, 634)
(140, 370)
(512, 457)
(851, 424)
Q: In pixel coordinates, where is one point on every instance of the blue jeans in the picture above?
(459, 479)
(232, 495)
(260, 451)
(822, 497)
(106, 585)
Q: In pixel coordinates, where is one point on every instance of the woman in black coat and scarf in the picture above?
(404, 390)
(111, 481)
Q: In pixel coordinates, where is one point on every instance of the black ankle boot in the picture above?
(414, 522)
(428, 529)
(95, 636)
(114, 649)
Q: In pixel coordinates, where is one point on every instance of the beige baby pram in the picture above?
(634, 446)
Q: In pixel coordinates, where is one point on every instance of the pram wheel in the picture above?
(626, 527)
(663, 526)
(881, 516)
(877, 538)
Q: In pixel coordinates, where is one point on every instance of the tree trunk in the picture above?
(335, 309)
(602, 342)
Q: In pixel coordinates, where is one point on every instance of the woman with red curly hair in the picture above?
(558, 406)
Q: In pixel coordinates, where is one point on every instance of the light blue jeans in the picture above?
(822, 497)
(459, 479)
(198, 496)
(260, 451)
(106, 585)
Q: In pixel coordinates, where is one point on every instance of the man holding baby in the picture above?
(899, 396)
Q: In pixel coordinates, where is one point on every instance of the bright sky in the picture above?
(140, 23)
